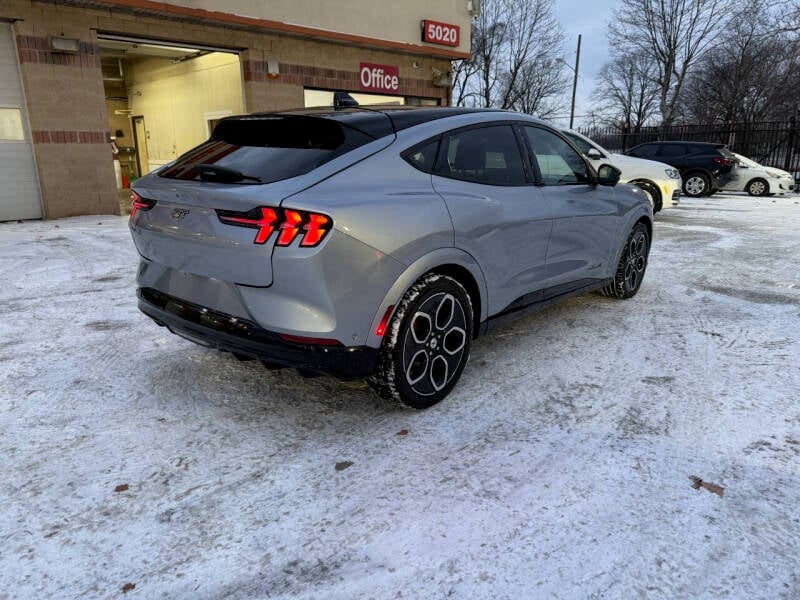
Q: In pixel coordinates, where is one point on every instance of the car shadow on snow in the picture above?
(246, 390)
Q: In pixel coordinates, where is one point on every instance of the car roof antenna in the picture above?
(343, 100)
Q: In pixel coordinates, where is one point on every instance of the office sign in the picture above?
(379, 78)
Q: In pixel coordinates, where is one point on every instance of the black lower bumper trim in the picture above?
(230, 334)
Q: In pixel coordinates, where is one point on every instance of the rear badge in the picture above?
(179, 213)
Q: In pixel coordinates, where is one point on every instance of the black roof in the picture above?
(376, 121)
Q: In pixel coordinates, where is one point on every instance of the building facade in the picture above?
(94, 93)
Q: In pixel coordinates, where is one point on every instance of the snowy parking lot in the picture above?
(137, 464)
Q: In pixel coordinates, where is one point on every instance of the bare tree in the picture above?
(674, 33)
(627, 92)
(749, 76)
(539, 89)
(514, 46)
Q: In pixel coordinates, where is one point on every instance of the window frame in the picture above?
(638, 153)
(528, 178)
(406, 154)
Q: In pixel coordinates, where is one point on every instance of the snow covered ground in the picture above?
(558, 468)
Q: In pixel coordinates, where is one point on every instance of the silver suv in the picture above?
(377, 244)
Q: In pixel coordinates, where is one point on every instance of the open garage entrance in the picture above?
(164, 98)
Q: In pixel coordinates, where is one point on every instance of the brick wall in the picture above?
(66, 99)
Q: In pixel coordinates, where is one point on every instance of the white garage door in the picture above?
(19, 188)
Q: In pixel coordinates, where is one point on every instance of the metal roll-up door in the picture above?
(19, 187)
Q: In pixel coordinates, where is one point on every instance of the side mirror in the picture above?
(608, 175)
(594, 154)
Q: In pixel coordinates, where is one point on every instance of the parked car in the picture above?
(661, 182)
(704, 167)
(758, 180)
(378, 243)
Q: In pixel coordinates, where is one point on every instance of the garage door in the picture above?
(19, 188)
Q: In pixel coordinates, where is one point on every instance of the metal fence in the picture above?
(772, 143)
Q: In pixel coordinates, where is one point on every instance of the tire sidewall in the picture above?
(394, 347)
(656, 202)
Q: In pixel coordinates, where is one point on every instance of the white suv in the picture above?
(661, 182)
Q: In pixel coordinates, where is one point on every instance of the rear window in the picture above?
(264, 149)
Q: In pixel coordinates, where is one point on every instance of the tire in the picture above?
(757, 187)
(653, 194)
(696, 185)
(632, 265)
(427, 343)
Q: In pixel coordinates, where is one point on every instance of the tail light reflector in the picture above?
(310, 341)
(381, 328)
(138, 203)
(723, 161)
(289, 223)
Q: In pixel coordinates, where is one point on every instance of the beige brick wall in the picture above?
(398, 21)
(66, 100)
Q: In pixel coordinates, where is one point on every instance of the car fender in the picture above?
(636, 215)
(438, 258)
(689, 171)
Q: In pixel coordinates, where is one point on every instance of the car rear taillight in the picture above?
(138, 203)
(725, 162)
(290, 227)
(265, 222)
(310, 227)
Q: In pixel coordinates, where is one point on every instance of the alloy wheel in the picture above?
(434, 344)
(695, 186)
(635, 260)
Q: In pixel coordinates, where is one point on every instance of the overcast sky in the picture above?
(589, 19)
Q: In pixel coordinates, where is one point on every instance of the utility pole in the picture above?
(575, 82)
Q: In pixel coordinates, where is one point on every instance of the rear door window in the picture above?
(671, 150)
(265, 149)
(422, 156)
(646, 151)
(488, 155)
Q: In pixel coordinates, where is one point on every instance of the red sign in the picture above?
(445, 34)
(379, 78)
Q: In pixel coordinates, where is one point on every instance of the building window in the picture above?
(11, 125)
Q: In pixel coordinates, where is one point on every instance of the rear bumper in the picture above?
(722, 179)
(231, 334)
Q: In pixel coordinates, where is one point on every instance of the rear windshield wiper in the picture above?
(223, 173)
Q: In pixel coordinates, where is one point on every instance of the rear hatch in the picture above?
(207, 212)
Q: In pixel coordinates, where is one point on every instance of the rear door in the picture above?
(585, 215)
(498, 215)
